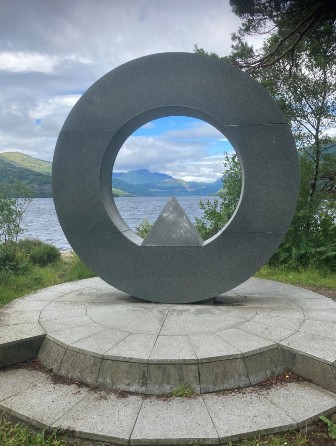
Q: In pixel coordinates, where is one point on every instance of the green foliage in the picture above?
(288, 22)
(331, 427)
(218, 213)
(184, 390)
(14, 284)
(44, 254)
(30, 172)
(144, 228)
(12, 211)
(12, 263)
(311, 239)
(18, 435)
(301, 277)
(76, 269)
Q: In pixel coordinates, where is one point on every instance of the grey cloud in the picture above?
(85, 39)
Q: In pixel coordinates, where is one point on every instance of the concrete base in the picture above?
(97, 415)
(95, 334)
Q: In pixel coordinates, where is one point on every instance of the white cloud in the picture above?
(19, 62)
(52, 51)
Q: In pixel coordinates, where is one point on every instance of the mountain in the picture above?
(144, 183)
(29, 171)
(35, 173)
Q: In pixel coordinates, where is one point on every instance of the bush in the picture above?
(144, 228)
(11, 262)
(43, 254)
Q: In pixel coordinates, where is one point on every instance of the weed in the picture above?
(183, 390)
(18, 435)
(331, 427)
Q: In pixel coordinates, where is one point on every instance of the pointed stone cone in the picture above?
(173, 228)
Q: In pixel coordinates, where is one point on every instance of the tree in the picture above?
(308, 95)
(291, 21)
(12, 211)
(216, 214)
(303, 82)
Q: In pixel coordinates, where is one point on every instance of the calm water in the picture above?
(40, 220)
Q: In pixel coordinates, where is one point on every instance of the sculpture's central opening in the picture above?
(176, 156)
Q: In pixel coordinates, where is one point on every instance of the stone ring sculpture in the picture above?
(110, 111)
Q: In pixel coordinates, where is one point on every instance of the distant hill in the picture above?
(31, 172)
(144, 183)
(35, 173)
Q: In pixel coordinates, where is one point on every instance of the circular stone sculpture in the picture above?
(110, 111)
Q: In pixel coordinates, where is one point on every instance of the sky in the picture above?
(51, 51)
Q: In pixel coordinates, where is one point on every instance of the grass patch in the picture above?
(183, 390)
(308, 277)
(66, 269)
(18, 435)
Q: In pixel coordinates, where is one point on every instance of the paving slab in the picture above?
(258, 326)
(196, 319)
(267, 330)
(177, 348)
(176, 421)
(133, 318)
(320, 328)
(14, 381)
(15, 333)
(9, 317)
(59, 324)
(27, 305)
(245, 342)
(302, 401)
(317, 346)
(102, 416)
(210, 345)
(71, 335)
(320, 315)
(88, 295)
(61, 310)
(100, 342)
(47, 294)
(244, 414)
(134, 347)
(42, 405)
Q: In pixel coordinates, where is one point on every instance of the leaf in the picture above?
(325, 420)
(331, 427)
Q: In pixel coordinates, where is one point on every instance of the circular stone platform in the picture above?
(91, 332)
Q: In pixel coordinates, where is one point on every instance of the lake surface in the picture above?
(40, 220)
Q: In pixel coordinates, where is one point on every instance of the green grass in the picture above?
(308, 277)
(18, 435)
(65, 270)
(183, 390)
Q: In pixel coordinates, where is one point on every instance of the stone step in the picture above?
(43, 400)
(91, 332)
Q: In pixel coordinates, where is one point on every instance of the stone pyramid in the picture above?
(173, 228)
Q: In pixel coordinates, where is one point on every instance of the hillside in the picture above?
(31, 172)
(36, 174)
(144, 183)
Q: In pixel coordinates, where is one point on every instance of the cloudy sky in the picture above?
(51, 51)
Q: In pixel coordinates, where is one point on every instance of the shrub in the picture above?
(143, 229)
(43, 254)
(11, 262)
